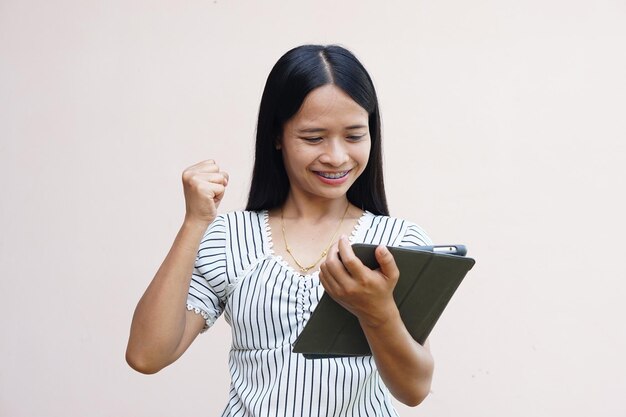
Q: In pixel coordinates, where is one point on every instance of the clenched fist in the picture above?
(204, 185)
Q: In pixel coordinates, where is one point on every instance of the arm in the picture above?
(162, 328)
(405, 366)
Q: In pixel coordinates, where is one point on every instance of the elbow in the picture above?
(419, 389)
(414, 399)
(423, 384)
(141, 364)
(416, 396)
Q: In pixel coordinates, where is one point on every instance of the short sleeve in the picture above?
(206, 290)
(415, 236)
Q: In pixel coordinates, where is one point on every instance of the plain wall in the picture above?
(504, 129)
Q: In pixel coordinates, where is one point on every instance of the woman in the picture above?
(317, 187)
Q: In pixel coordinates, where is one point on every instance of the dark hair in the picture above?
(294, 76)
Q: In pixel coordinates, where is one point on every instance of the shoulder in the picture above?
(245, 238)
(240, 218)
(415, 236)
(233, 226)
(233, 243)
(243, 223)
(243, 215)
(393, 231)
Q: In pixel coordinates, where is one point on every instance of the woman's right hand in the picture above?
(204, 185)
(162, 328)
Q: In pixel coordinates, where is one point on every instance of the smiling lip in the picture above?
(332, 178)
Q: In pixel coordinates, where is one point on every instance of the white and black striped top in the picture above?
(267, 303)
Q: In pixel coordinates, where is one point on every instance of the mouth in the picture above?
(332, 175)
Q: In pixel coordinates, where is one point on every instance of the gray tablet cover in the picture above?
(427, 282)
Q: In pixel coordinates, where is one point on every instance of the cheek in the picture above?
(294, 161)
(364, 155)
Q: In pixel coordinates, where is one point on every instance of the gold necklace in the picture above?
(305, 269)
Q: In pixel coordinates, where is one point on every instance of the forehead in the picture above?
(329, 106)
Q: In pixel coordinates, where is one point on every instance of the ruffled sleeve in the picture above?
(206, 290)
(415, 236)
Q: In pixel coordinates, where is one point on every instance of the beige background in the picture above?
(504, 129)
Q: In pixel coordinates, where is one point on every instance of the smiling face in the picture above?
(326, 144)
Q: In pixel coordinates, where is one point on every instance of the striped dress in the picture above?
(267, 303)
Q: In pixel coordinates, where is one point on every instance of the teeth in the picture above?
(333, 175)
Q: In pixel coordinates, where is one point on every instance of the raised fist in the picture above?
(204, 185)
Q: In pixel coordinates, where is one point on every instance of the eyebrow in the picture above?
(319, 129)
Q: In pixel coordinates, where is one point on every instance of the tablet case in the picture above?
(427, 282)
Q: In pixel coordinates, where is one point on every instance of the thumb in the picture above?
(387, 264)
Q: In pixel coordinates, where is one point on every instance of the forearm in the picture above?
(159, 321)
(405, 366)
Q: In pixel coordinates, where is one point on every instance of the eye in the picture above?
(356, 138)
(312, 140)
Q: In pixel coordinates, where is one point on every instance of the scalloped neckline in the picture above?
(269, 244)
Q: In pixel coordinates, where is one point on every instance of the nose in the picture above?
(335, 153)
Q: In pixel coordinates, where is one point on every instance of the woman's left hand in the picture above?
(405, 367)
(366, 293)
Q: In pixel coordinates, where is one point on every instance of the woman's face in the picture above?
(326, 144)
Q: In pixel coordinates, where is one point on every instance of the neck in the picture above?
(314, 210)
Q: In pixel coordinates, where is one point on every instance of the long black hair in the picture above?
(293, 77)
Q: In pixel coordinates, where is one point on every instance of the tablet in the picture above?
(427, 281)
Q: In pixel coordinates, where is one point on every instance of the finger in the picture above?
(335, 266)
(216, 191)
(331, 286)
(190, 173)
(387, 264)
(215, 178)
(226, 176)
(206, 166)
(327, 279)
(350, 261)
(200, 179)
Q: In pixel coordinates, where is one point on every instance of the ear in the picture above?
(277, 144)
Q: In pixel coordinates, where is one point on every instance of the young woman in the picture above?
(317, 187)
